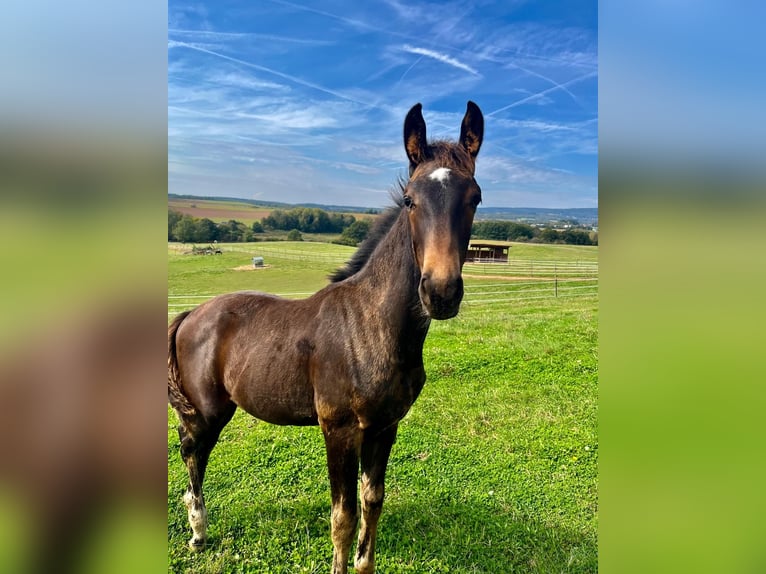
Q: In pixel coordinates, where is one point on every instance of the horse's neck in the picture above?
(392, 270)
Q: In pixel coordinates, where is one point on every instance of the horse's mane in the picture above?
(379, 230)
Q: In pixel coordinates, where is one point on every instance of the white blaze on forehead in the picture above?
(440, 174)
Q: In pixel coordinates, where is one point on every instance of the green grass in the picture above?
(494, 469)
(215, 274)
(545, 252)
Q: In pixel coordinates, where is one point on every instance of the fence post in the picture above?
(555, 284)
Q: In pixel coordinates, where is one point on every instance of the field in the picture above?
(219, 211)
(495, 466)
(225, 210)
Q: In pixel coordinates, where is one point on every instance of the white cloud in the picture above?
(244, 81)
(292, 118)
(250, 36)
(441, 58)
(541, 93)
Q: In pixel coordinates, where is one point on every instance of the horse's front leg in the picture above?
(375, 452)
(343, 445)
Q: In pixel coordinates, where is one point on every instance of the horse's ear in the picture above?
(415, 136)
(472, 129)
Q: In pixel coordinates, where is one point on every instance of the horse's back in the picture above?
(248, 347)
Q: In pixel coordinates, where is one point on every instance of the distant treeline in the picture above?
(189, 229)
(512, 231)
(307, 220)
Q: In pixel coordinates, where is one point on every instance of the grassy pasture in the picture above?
(548, 252)
(495, 467)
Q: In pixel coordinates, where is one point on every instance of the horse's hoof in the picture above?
(197, 544)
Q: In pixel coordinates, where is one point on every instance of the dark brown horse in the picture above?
(349, 358)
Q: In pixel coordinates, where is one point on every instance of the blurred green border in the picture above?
(681, 343)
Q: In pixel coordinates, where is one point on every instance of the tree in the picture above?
(205, 230)
(173, 218)
(355, 233)
(339, 222)
(294, 235)
(549, 235)
(307, 220)
(185, 229)
(576, 237)
(519, 232)
(322, 222)
(257, 227)
(490, 230)
(232, 230)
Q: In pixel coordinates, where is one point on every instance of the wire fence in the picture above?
(512, 267)
(532, 268)
(515, 281)
(494, 294)
(476, 294)
(272, 251)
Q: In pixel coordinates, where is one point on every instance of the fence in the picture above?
(273, 249)
(509, 293)
(517, 280)
(532, 268)
(267, 251)
(512, 267)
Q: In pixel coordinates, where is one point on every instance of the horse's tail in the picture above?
(176, 397)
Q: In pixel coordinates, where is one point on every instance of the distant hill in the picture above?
(540, 215)
(277, 204)
(532, 215)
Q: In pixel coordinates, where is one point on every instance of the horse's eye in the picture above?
(476, 199)
(408, 203)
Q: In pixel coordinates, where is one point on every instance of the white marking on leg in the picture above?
(197, 514)
(188, 499)
(363, 564)
(440, 174)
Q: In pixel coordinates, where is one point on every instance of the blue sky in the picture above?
(304, 101)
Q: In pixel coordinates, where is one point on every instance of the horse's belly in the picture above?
(282, 398)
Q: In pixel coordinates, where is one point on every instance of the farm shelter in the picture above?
(488, 251)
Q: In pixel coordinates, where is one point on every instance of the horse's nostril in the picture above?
(452, 288)
(438, 294)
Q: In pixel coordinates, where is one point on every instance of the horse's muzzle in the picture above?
(441, 299)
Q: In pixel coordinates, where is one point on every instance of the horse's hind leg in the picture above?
(375, 452)
(198, 436)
